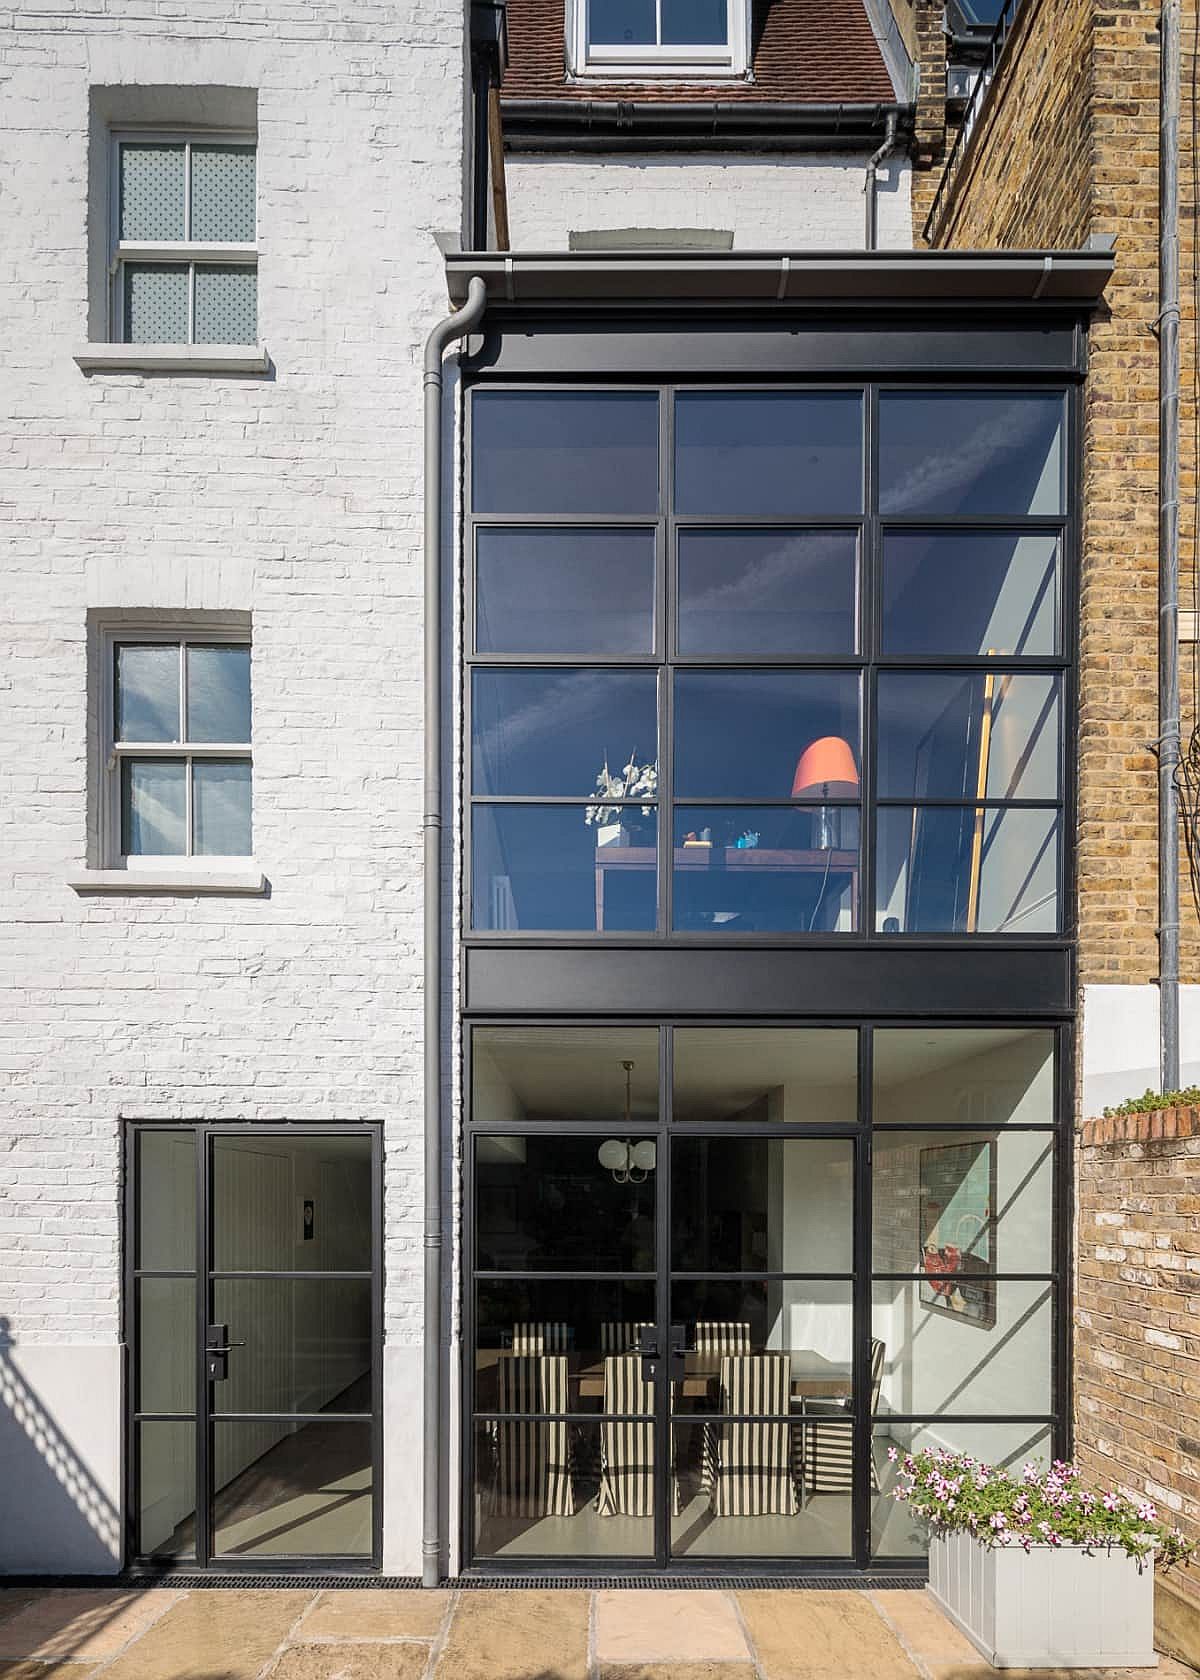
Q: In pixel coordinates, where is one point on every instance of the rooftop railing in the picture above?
(971, 110)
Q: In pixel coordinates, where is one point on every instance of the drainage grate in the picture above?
(910, 1580)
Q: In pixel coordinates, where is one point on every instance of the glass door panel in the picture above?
(289, 1344)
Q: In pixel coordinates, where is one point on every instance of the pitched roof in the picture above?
(804, 52)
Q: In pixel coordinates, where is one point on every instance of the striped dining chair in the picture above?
(533, 1458)
(722, 1336)
(540, 1338)
(620, 1335)
(823, 1448)
(752, 1473)
(626, 1446)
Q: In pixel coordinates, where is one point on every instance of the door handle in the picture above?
(647, 1346)
(217, 1348)
(678, 1351)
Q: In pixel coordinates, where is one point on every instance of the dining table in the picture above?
(813, 1377)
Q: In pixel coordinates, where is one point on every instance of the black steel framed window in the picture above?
(911, 1263)
(778, 663)
(253, 1314)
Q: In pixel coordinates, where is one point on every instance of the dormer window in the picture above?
(619, 39)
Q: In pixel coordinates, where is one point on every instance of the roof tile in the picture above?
(805, 52)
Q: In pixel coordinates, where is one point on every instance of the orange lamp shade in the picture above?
(827, 764)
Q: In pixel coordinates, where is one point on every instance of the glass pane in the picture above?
(972, 592)
(805, 1075)
(292, 1489)
(985, 453)
(964, 1345)
(563, 590)
(153, 799)
(166, 1200)
(547, 868)
(562, 1073)
(766, 1490)
(968, 735)
(147, 692)
(556, 1489)
(285, 1204)
(565, 452)
(767, 735)
(218, 693)
(895, 1531)
(308, 1344)
(226, 303)
(155, 303)
(166, 1487)
(761, 592)
(695, 23)
(545, 1204)
(809, 1320)
(223, 193)
(166, 1344)
(964, 1076)
(766, 869)
(621, 23)
(566, 733)
(221, 807)
(152, 191)
(585, 1322)
(963, 870)
(962, 1202)
(780, 1204)
(768, 453)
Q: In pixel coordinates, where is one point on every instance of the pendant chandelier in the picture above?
(628, 1162)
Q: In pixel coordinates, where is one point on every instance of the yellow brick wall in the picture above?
(1065, 146)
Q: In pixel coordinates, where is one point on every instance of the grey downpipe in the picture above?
(1168, 547)
(871, 184)
(455, 326)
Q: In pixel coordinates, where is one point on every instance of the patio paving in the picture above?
(568, 1634)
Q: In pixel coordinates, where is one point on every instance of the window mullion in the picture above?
(187, 190)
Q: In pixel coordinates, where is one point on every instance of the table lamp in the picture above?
(827, 765)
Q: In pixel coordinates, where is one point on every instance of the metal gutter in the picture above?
(597, 124)
(455, 326)
(843, 278)
(1168, 546)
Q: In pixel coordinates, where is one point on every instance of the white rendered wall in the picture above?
(789, 202)
(1119, 1031)
(295, 498)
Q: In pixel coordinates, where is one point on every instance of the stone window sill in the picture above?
(182, 883)
(173, 358)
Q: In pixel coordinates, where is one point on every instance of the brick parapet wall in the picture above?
(1137, 1341)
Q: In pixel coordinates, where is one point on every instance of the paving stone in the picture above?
(922, 1628)
(677, 1626)
(212, 1635)
(373, 1613)
(834, 1635)
(39, 1671)
(676, 1671)
(13, 1599)
(525, 1635)
(352, 1662)
(78, 1624)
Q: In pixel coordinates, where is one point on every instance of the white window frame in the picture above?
(113, 753)
(623, 63)
(194, 252)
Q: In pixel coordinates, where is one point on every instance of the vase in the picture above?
(1051, 1607)
(612, 834)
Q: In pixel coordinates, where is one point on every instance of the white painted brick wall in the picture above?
(297, 498)
(789, 202)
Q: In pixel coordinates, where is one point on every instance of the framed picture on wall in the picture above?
(957, 1235)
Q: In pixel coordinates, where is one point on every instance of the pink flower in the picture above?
(1112, 1502)
(999, 1520)
(893, 1454)
(1146, 1511)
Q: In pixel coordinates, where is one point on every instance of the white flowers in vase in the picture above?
(633, 781)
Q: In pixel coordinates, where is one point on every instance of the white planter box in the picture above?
(1053, 1607)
